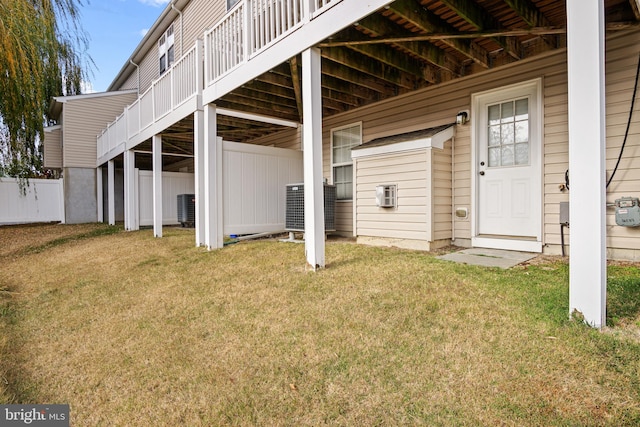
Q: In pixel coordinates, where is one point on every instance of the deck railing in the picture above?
(177, 85)
(248, 29)
(252, 26)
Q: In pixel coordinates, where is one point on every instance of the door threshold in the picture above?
(510, 244)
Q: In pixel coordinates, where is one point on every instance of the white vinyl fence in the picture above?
(254, 184)
(43, 202)
(254, 188)
(173, 183)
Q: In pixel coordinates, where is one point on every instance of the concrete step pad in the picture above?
(489, 257)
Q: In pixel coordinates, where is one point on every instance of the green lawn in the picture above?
(135, 331)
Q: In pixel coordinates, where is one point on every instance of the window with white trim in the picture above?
(166, 53)
(342, 140)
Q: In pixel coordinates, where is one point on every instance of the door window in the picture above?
(508, 133)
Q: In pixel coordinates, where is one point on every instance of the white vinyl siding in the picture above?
(53, 148)
(83, 119)
(409, 219)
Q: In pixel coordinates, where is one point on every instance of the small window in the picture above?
(170, 56)
(342, 140)
(231, 3)
(166, 53)
(163, 64)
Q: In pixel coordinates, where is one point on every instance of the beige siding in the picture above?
(53, 148)
(408, 171)
(198, 16)
(441, 193)
(439, 105)
(131, 82)
(83, 119)
(621, 66)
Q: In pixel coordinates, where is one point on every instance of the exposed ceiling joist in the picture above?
(358, 62)
(429, 23)
(297, 83)
(481, 19)
(635, 6)
(378, 27)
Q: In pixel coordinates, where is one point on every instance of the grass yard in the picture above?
(135, 331)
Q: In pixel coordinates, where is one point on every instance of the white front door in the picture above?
(508, 173)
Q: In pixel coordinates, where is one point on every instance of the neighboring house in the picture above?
(70, 147)
(440, 122)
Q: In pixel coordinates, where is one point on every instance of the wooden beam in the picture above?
(398, 60)
(247, 103)
(428, 22)
(274, 97)
(536, 31)
(635, 6)
(297, 83)
(528, 12)
(376, 25)
(481, 19)
(337, 84)
(376, 69)
(531, 16)
(333, 69)
(260, 110)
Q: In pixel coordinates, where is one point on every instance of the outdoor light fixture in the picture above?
(462, 117)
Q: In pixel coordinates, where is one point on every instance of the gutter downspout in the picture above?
(179, 12)
(138, 73)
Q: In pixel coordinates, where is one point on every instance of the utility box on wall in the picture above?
(628, 211)
(386, 196)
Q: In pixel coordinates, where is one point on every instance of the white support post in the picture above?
(312, 159)
(99, 194)
(156, 143)
(111, 191)
(198, 151)
(588, 264)
(213, 224)
(129, 190)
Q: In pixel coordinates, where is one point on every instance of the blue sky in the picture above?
(115, 27)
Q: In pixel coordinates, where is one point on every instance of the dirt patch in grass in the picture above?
(132, 330)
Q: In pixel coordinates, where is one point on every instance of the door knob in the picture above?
(481, 172)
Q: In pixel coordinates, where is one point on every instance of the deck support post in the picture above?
(130, 220)
(99, 194)
(156, 143)
(314, 232)
(588, 263)
(198, 154)
(111, 191)
(213, 224)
